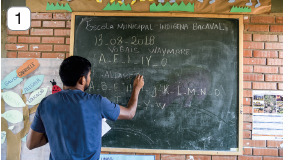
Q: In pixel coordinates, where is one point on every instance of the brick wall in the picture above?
(263, 68)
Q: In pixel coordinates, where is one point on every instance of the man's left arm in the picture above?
(35, 139)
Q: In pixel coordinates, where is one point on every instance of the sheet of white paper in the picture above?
(105, 128)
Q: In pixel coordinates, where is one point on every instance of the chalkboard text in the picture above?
(207, 26)
(175, 26)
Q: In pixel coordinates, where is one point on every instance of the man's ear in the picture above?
(82, 80)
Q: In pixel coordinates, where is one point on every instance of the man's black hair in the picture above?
(72, 68)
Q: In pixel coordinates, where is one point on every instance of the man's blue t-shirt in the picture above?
(72, 121)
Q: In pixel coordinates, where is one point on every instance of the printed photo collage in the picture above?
(267, 104)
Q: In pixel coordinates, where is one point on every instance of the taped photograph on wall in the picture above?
(267, 109)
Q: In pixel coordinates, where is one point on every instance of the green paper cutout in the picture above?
(175, 7)
(13, 116)
(236, 9)
(25, 138)
(58, 7)
(13, 99)
(37, 96)
(3, 136)
(116, 6)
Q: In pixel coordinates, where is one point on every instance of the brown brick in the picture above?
(53, 23)
(40, 47)
(198, 157)
(173, 157)
(267, 38)
(157, 156)
(254, 143)
(104, 152)
(247, 109)
(11, 39)
(23, 47)
(272, 143)
(280, 54)
(61, 48)
(265, 69)
(67, 55)
(247, 126)
(280, 152)
(246, 19)
(35, 23)
(247, 93)
(274, 78)
(11, 54)
(247, 37)
(247, 69)
(62, 16)
(265, 151)
(280, 86)
(122, 153)
(249, 157)
(24, 39)
(262, 19)
(271, 86)
(41, 15)
(41, 31)
(59, 40)
(274, 61)
(253, 45)
(67, 41)
(279, 19)
(280, 38)
(224, 157)
(253, 77)
(247, 151)
(256, 28)
(247, 53)
(254, 61)
(62, 32)
(29, 54)
(246, 101)
(247, 85)
(274, 46)
(265, 54)
(68, 24)
(276, 28)
(272, 158)
(53, 55)
(281, 70)
(9, 32)
(247, 118)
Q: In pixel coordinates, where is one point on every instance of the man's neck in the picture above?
(73, 88)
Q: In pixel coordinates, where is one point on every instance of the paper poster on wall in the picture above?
(37, 96)
(33, 83)
(28, 67)
(13, 99)
(125, 157)
(267, 109)
(13, 116)
(11, 80)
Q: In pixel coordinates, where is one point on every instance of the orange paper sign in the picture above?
(28, 67)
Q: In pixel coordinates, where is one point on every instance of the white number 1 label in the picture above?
(19, 18)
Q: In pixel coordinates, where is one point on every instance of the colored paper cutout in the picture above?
(116, 6)
(28, 67)
(175, 7)
(3, 137)
(133, 2)
(105, 127)
(24, 138)
(33, 83)
(55, 88)
(37, 96)
(236, 9)
(99, 1)
(11, 127)
(11, 80)
(58, 7)
(13, 116)
(13, 99)
(121, 2)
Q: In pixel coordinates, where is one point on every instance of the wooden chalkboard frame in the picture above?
(237, 151)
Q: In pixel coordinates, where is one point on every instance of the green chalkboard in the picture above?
(190, 100)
